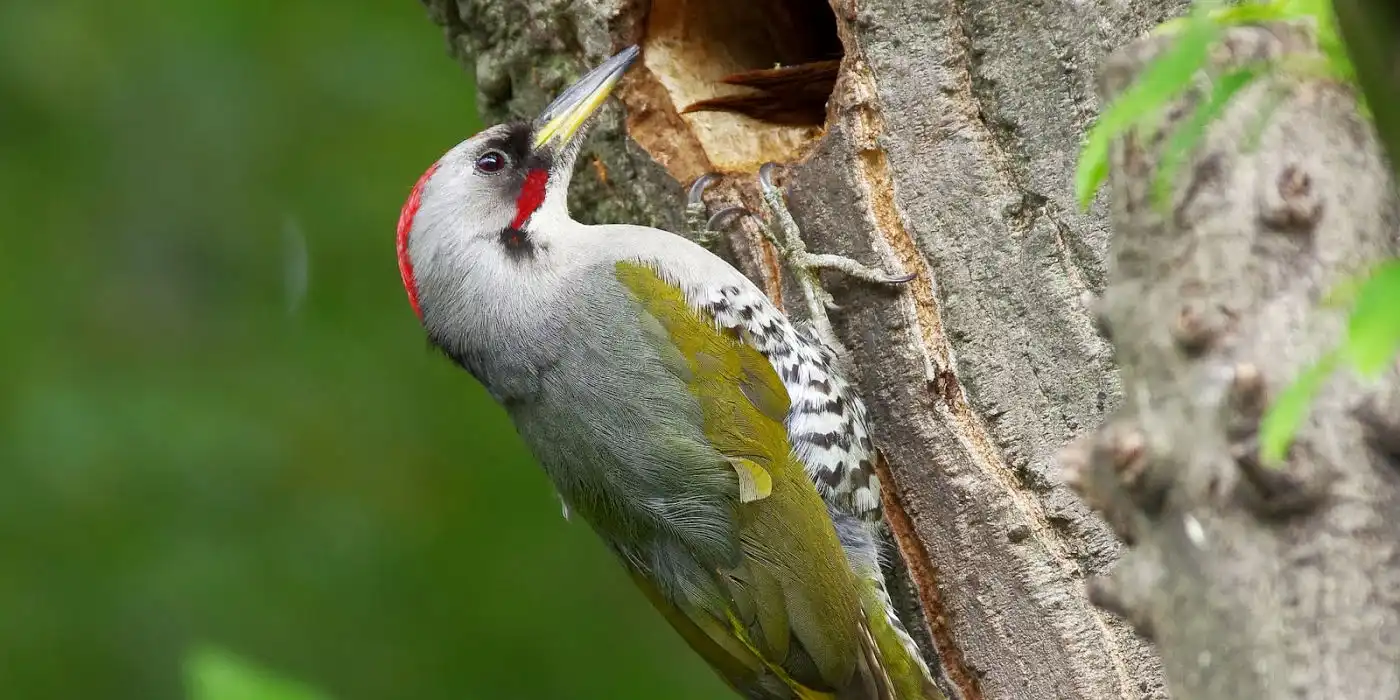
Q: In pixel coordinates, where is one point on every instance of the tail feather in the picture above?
(878, 684)
(897, 654)
(900, 664)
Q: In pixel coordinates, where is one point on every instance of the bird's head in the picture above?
(488, 204)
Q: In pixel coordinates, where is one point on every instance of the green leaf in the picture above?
(216, 674)
(1295, 9)
(1373, 331)
(1188, 135)
(1371, 344)
(1281, 421)
(1344, 293)
(1230, 16)
(1160, 81)
(1092, 171)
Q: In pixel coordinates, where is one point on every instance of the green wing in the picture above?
(795, 606)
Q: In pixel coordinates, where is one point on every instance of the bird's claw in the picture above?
(705, 228)
(696, 195)
(765, 176)
(725, 217)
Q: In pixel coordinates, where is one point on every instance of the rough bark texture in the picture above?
(949, 151)
(1256, 582)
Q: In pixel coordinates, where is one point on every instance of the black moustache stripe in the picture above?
(517, 242)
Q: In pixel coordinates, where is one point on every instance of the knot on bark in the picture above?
(1109, 469)
(1277, 492)
(1198, 327)
(1292, 205)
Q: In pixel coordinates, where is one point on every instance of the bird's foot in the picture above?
(782, 231)
(702, 226)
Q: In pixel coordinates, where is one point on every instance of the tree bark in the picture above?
(949, 151)
(1257, 582)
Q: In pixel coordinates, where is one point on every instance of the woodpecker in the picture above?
(710, 442)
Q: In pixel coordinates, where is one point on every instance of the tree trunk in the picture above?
(949, 150)
(1257, 582)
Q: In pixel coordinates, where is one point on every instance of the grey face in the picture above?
(479, 196)
(480, 243)
(490, 187)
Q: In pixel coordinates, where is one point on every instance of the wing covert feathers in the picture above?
(797, 624)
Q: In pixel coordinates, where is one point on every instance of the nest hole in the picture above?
(740, 82)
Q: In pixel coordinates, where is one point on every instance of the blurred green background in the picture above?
(219, 421)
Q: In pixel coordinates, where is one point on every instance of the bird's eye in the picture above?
(490, 162)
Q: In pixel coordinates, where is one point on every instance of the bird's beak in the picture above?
(563, 118)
